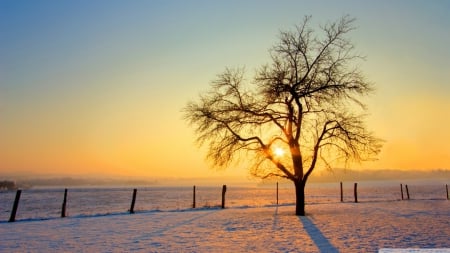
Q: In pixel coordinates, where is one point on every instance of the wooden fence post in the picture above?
(407, 191)
(133, 201)
(446, 189)
(15, 206)
(63, 209)
(401, 190)
(193, 199)
(224, 190)
(277, 193)
(355, 191)
(342, 193)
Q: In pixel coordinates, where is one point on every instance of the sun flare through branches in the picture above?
(278, 152)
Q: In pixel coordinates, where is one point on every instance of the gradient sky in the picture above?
(96, 88)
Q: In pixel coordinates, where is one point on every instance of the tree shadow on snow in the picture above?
(316, 235)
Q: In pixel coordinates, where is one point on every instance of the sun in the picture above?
(278, 151)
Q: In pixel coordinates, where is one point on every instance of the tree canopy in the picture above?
(306, 101)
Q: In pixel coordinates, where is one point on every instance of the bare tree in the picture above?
(307, 102)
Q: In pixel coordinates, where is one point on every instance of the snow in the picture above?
(328, 227)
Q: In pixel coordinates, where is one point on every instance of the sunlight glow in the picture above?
(278, 151)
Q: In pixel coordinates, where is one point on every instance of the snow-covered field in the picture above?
(328, 227)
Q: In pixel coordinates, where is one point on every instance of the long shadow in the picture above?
(275, 219)
(316, 235)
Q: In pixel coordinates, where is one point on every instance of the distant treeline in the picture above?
(325, 176)
(8, 185)
(377, 175)
(69, 181)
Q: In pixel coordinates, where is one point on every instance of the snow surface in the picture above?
(330, 227)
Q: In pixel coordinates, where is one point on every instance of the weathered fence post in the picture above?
(133, 201)
(401, 190)
(63, 209)
(407, 191)
(193, 199)
(342, 193)
(446, 189)
(355, 191)
(15, 206)
(224, 190)
(277, 193)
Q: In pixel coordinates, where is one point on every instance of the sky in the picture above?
(96, 88)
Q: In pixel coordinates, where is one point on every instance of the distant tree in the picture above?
(305, 103)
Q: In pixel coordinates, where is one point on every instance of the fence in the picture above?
(114, 199)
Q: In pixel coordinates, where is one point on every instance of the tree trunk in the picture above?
(299, 198)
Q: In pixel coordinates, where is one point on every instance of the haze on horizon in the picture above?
(96, 88)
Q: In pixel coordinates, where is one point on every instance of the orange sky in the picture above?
(96, 89)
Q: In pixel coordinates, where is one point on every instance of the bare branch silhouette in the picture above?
(307, 100)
